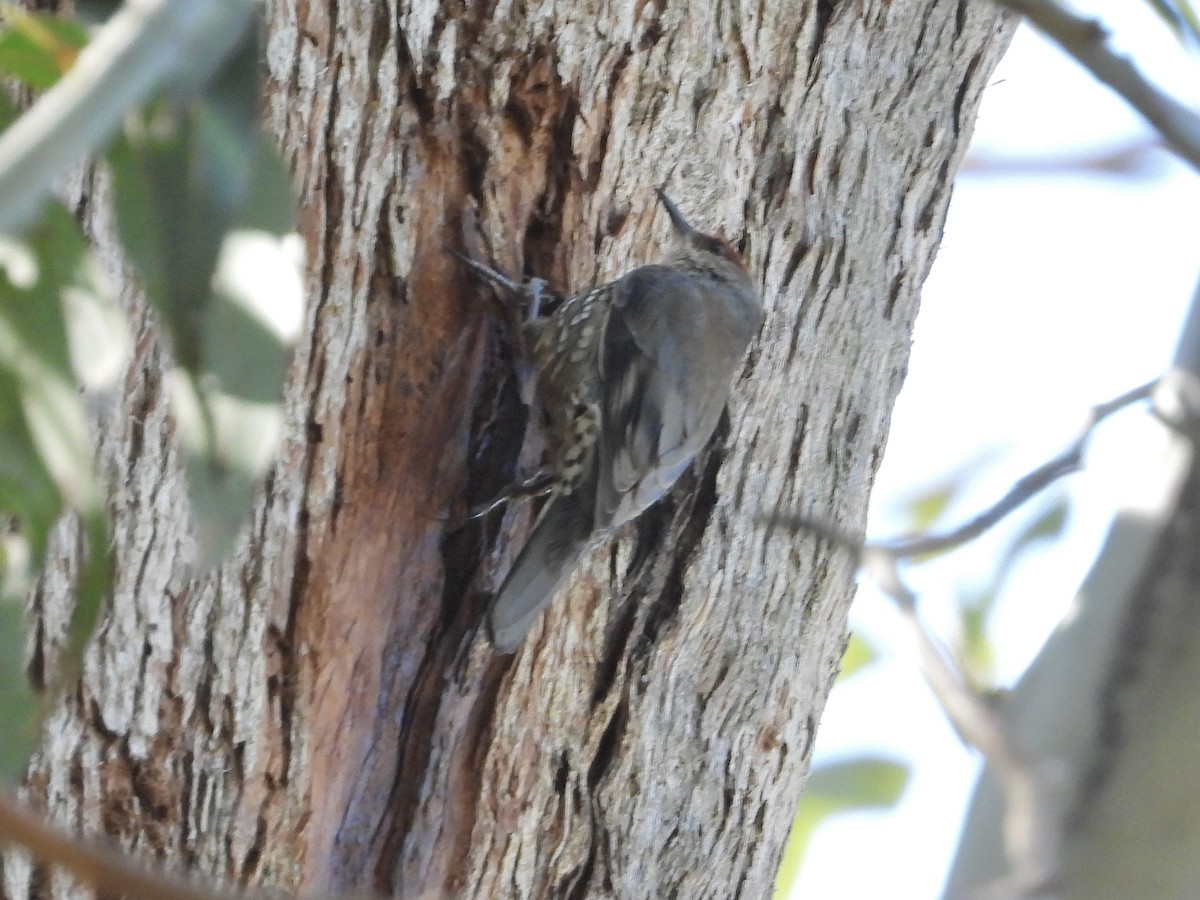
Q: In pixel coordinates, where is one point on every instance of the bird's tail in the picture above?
(558, 538)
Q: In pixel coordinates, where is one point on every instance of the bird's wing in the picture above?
(662, 391)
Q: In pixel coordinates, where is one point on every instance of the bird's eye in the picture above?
(722, 249)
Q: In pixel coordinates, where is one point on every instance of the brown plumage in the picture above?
(632, 378)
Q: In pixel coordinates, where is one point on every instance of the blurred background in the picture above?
(1069, 259)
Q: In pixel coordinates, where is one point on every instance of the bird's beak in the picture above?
(677, 219)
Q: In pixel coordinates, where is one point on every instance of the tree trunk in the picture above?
(325, 711)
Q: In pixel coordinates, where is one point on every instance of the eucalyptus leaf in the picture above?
(867, 782)
(1180, 17)
(183, 175)
(1046, 526)
(27, 489)
(8, 111)
(45, 459)
(977, 652)
(170, 225)
(245, 357)
(34, 312)
(36, 48)
(95, 577)
(18, 704)
(187, 173)
(271, 203)
(925, 508)
(858, 655)
(857, 784)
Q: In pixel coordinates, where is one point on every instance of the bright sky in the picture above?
(1054, 290)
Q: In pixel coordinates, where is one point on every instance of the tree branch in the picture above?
(1087, 41)
(1067, 462)
(111, 871)
(102, 867)
(1031, 835)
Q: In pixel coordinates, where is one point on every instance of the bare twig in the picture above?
(974, 719)
(1087, 41)
(1039, 479)
(1030, 829)
(1025, 489)
(853, 543)
(104, 868)
(112, 872)
(1032, 833)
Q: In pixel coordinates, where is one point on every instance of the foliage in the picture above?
(187, 169)
(864, 783)
(867, 782)
(1181, 16)
(875, 782)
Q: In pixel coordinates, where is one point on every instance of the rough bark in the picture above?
(324, 711)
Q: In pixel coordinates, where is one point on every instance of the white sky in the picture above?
(1052, 292)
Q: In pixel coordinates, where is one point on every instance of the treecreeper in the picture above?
(632, 377)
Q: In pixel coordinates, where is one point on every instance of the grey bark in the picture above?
(324, 712)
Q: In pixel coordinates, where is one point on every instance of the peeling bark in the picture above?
(324, 712)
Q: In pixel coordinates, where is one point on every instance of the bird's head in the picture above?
(700, 244)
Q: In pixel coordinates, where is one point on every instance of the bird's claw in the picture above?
(532, 294)
(535, 486)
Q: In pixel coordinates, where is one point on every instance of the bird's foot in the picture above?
(537, 485)
(533, 294)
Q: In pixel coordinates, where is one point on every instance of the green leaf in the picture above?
(34, 348)
(977, 652)
(857, 784)
(95, 578)
(859, 654)
(271, 203)
(925, 508)
(45, 449)
(221, 499)
(8, 112)
(37, 49)
(865, 782)
(229, 444)
(24, 60)
(1047, 526)
(34, 313)
(245, 357)
(1180, 17)
(183, 175)
(976, 649)
(63, 35)
(27, 489)
(171, 223)
(45, 456)
(18, 704)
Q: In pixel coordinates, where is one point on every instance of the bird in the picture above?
(631, 380)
